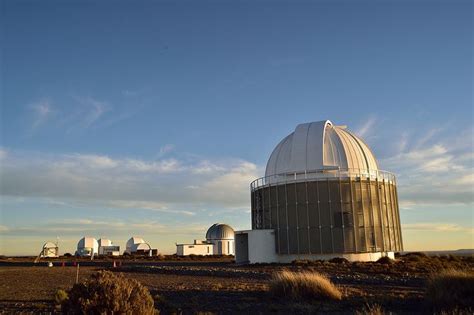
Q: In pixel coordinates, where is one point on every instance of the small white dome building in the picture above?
(87, 246)
(50, 250)
(136, 245)
(222, 237)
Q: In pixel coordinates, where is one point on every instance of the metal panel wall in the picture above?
(342, 215)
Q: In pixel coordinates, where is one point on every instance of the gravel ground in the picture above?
(222, 287)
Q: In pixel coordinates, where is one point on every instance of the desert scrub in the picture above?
(303, 286)
(373, 309)
(60, 296)
(385, 260)
(108, 293)
(451, 289)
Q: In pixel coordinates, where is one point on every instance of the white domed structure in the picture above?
(320, 146)
(323, 196)
(50, 250)
(87, 246)
(136, 245)
(222, 237)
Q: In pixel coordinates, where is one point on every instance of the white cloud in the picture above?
(147, 205)
(160, 166)
(166, 185)
(437, 227)
(433, 173)
(95, 161)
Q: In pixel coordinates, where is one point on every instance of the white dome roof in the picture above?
(220, 231)
(87, 242)
(136, 243)
(49, 245)
(320, 146)
(142, 246)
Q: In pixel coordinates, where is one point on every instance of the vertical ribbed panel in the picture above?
(314, 145)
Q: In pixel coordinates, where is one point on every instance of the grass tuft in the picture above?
(450, 289)
(303, 286)
(373, 309)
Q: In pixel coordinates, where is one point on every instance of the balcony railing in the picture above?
(320, 174)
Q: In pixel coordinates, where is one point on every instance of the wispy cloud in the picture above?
(433, 168)
(164, 150)
(367, 127)
(79, 113)
(95, 110)
(42, 111)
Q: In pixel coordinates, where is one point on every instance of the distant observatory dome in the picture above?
(133, 241)
(220, 231)
(87, 246)
(320, 146)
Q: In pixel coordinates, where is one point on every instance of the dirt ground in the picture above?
(221, 287)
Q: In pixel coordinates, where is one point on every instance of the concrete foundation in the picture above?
(258, 246)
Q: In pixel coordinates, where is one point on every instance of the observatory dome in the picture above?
(134, 240)
(319, 146)
(49, 245)
(87, 246)
(87, 242)
(220, 231)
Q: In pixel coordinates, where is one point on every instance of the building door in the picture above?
(242, 248)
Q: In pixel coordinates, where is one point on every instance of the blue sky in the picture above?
(151, 118)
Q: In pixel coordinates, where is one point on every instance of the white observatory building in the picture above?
(106, 248)
(49, 250)
(137, 246)
(222, 237)
(323, 196)
(219, 241)
(87, 246)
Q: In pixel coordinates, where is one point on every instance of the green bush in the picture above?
(108, 293)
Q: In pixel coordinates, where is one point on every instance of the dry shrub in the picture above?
(450, 289)
(374, 309)
(108, 293)
(339, 260)
(60, 296)
(303, 286)
(385, 260)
